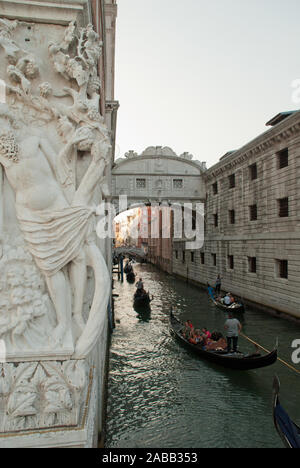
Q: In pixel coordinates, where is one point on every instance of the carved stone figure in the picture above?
(53, 209)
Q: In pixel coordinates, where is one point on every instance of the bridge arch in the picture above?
(158, 175)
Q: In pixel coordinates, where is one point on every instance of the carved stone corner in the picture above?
(43, 395)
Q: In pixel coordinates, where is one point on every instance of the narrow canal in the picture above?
(162, 396)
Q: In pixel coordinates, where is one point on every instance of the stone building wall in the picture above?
(269, 239)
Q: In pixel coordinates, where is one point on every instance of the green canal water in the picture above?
(162, 396)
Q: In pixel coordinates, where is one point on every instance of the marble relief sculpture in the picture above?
(44, 133)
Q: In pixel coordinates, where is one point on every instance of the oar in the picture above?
(268, 352)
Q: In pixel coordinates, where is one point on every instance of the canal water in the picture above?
(162, 396)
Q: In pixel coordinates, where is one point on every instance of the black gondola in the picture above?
(232, 361)
(141, 299)
(237, 308)
(130, 277)
(286, 428)
(127, 268)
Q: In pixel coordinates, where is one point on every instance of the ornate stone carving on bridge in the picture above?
(42, 395)
(54, 150)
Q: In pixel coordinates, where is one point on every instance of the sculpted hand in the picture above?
(79, 135)
(101, 151)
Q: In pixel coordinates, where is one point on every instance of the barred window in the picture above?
(283, 158)
(192, 257)
(230, 262)
(231, 216)
(282, 269)
(252, 264)
(253, 171)
(231, 180)
(216, 220)
(141, 183)
(215, 188)
(283, 208)
(253, 212)
(202, 256)
(178, 183)
(214, 259)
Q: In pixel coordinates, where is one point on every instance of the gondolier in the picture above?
(218, 285)
(233, 328)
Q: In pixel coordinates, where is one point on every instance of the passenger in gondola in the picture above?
(227, 299)
(188, 331)
(206, 332)
(196, 338)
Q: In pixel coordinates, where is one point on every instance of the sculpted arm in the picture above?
(95, 172)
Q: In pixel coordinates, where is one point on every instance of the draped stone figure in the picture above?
(55, 211)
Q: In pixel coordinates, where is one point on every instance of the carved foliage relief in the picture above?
(40, 395)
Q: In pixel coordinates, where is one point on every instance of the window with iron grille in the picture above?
(231, 216)
(252, 264)
(283, 158)
(178, 183)
(231, 180)
(215, 188)
(216, 220)
(140, 183)
(282, 269)
(253, 212)
(214, 259)
(202, 256)
(283, 207)
(230, 262)
(253, 171)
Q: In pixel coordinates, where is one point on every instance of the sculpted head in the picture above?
(88, 135)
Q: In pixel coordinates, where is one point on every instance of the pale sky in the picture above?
(203, 76)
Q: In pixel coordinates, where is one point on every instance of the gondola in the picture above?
(236, 308)
(130, 277)
(286, 428)
(127, 268)
(238, 361)
(141, 300)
